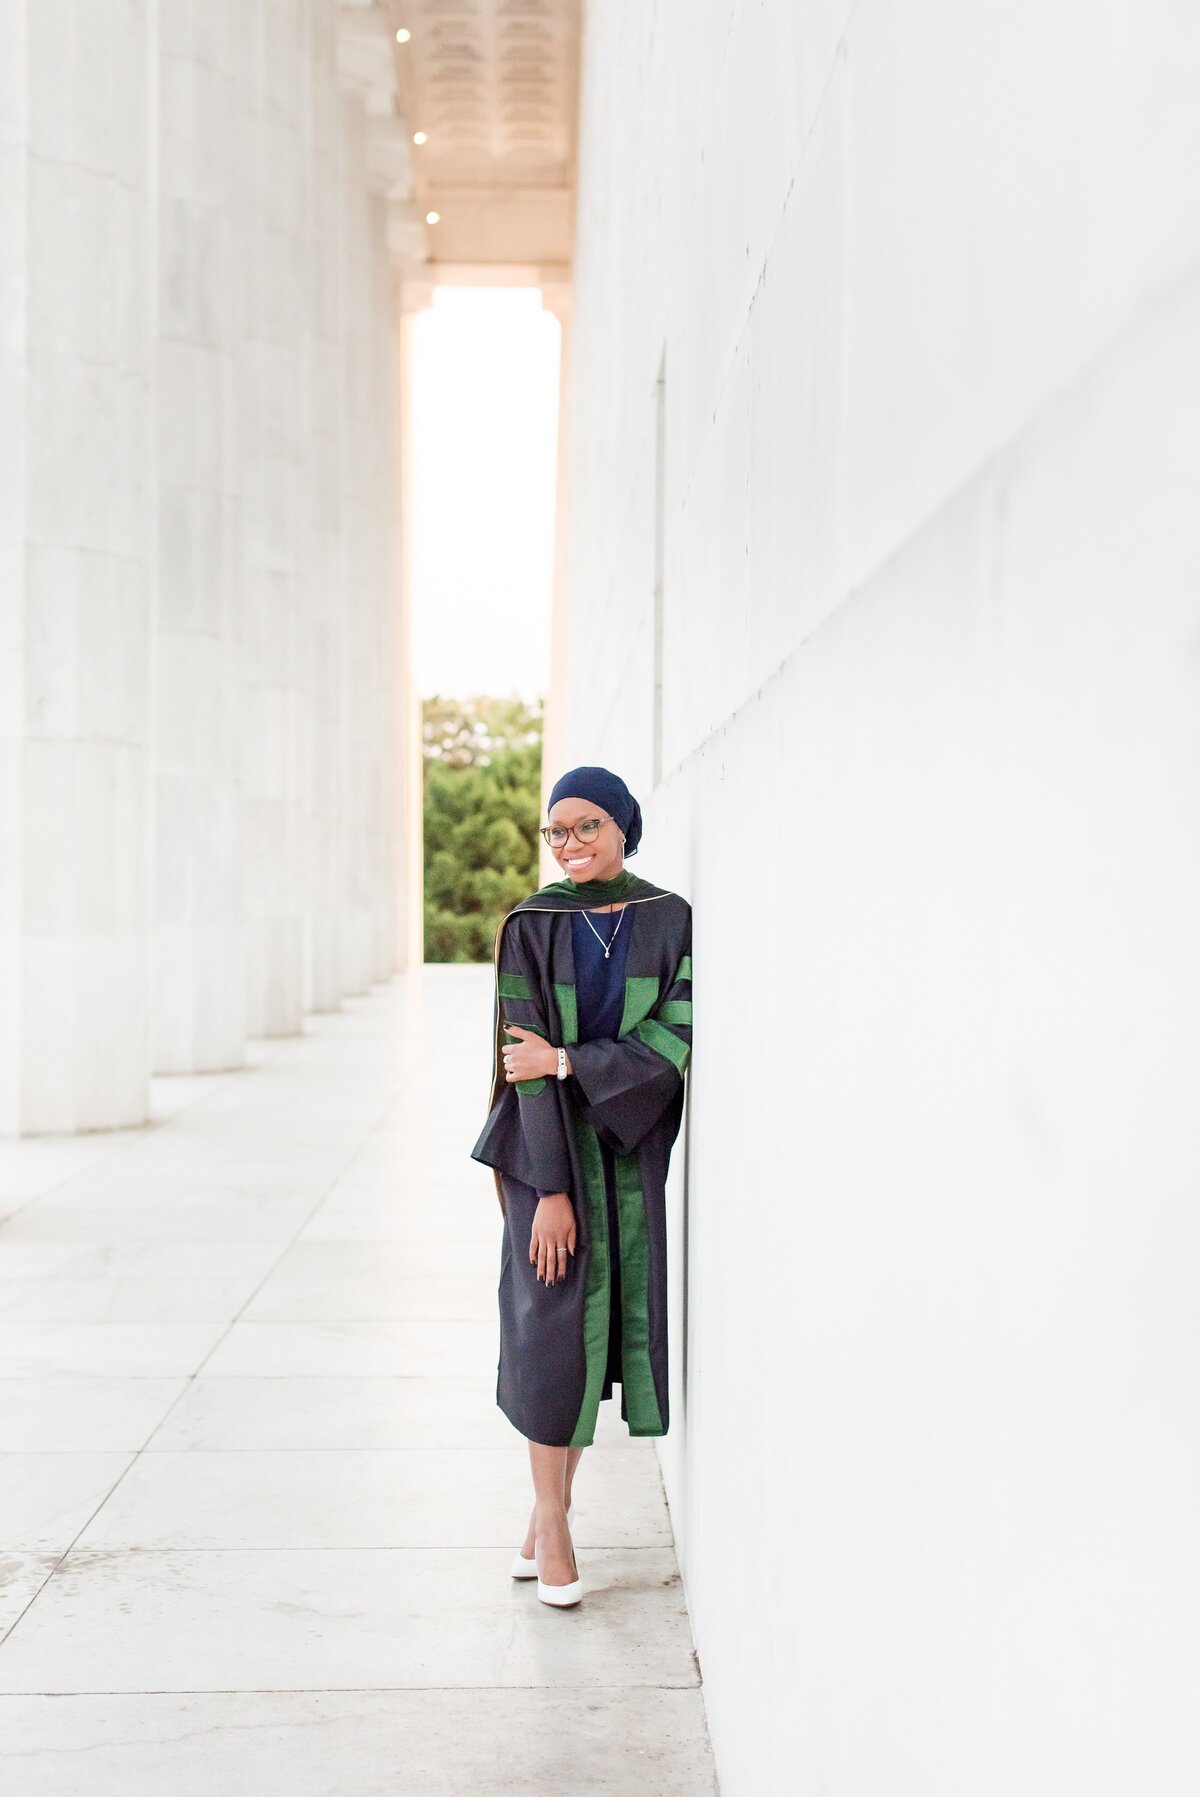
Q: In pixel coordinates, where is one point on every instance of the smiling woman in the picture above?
(593, 1019)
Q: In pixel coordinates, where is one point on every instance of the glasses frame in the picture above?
(571, 830)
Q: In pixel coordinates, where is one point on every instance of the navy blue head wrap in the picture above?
(607, 790)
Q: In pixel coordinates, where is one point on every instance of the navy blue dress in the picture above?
(600, 997)
(599, 983)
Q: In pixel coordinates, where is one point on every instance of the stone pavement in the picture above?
(257, 1503)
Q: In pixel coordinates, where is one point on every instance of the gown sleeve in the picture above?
(628, 1084)
(524, 1134)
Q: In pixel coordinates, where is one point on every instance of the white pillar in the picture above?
(359, 770)
(556, 298)
(199, 960)
(379, 225)
(272, 609)
(412, 296)
(322, 524)
(74, 598)
(385, 602)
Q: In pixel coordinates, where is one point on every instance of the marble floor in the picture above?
(257, 1503)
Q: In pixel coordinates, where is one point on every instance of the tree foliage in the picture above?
(483, 763)
(469, 732)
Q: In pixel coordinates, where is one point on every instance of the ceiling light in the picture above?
(420, 137)
(403, 35)
(432, 218)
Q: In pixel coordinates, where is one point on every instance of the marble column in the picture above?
(413, 294)
(556, 298)
(199, 960)
(359, 764)
(75, 783)
(385, 621)
(321, 522)
(272, 604)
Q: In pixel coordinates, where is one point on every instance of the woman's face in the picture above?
(601, 857)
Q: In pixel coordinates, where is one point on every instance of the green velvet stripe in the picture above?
(675, 1010)
(637, 1379)
(588, 893)
(660, 1039)
(513, 985)
(568, 1014)
(685, 969)
(641, 996)
(595, 1296)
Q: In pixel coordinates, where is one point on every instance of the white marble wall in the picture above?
(928, 285)
(199, 690)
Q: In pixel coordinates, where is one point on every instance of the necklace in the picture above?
(606, 946)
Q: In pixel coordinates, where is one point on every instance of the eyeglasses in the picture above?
(587, 830)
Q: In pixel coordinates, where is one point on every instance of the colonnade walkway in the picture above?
(257, 1503)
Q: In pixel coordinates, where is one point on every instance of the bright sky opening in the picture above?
(484, 436)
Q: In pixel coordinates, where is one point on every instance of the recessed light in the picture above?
(420, 137)
(433, 218)
(403, 35)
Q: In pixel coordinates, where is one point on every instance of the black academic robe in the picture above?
(604, 1136)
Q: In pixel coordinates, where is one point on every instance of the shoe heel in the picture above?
(527, 1569)
(523, 1567)
(561, 1596)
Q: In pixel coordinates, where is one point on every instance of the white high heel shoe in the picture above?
(527, 1569)
(562, 1595)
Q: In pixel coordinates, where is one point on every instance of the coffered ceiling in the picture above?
(493, 85)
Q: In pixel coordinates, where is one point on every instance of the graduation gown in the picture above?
(604, 1136)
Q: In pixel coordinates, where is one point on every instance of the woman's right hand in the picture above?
(552, 1237)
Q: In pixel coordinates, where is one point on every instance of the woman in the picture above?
(592, 1036)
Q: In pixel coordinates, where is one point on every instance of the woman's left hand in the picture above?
(530, 1058)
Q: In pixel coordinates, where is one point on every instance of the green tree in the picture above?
(483, 764)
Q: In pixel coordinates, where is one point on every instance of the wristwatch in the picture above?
(562, 1064)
